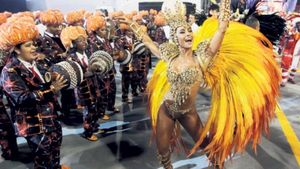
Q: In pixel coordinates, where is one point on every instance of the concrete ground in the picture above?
(127, 141)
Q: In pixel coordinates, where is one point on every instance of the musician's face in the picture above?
(214, 13)
(185, 37)
(26, 51)
(55, 30)
(192, 19)
(129, 33)
(81, 43)
(102, 32)
(79, 23)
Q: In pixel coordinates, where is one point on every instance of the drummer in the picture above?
(33, 98)
(129, 70)
(74, 39)
(100, 39)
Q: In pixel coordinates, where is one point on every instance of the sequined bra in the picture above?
(181, 84)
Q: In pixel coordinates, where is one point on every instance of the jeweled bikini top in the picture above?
(182, 82)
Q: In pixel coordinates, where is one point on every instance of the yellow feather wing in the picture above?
(244, 80)
(157, 88)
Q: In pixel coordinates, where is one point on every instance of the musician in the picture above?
(51, 46)
(33, 97)
(101, 39)
(74, 39)
(8, 141)
(129, 71)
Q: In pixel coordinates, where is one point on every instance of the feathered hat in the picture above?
(94, 22)
(75, 16)
(71, 33)
(52, 18)
(17, 31)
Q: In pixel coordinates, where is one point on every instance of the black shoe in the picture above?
(142, 89)
(135, 94)
(292, 81)
(12, 157)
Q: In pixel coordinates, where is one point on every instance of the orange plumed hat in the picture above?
(22, 14)
(52, 18)
(129, 16)
(116, 14)
(153, 12)
(159, 20)
(71, 33)
(8, 14)
(143, 13)
(123, 26)
(15, 32)
(94, 22)
(75, 16)
(137, 17)
(87, 14)
(20, 18)
(3, 18)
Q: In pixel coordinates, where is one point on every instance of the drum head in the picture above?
(71, 71)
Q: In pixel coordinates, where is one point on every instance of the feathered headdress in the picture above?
(174, 12)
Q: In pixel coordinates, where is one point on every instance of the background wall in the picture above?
(13, 5)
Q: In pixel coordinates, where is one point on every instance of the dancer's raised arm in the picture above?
(217, 39)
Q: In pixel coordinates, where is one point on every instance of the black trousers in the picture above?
(129, 79)
(90, 120)
(108, 89)
(8, 141)
(68, 100)
(46, 148)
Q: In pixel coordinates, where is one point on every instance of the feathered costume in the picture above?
(244, 81)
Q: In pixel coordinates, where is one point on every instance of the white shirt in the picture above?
(101, 39)
(167, 31)
(84, 57)
(194, 27)
(129, 39)
(33, 65)
(49, 34)
(41, 28)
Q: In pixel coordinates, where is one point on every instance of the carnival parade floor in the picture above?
(127, 142)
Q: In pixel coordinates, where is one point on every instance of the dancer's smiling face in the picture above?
(184, 36)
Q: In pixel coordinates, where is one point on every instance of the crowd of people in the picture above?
(32, 44)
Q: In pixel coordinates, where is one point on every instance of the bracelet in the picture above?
(225, 10)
